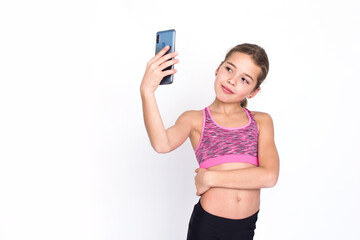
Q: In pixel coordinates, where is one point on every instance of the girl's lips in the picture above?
(226, 90)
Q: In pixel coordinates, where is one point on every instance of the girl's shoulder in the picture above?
(262, 119)
(194, 118)
(260, 115)
(193, 115)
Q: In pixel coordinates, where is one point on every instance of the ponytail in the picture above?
(244, 103)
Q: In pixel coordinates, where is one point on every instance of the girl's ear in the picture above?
(217, 70)
(253, 94)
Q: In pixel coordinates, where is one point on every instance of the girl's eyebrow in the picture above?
(236, 68)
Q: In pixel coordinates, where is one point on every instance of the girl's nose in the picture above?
(232, 81)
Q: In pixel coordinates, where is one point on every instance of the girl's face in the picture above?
(236, 78)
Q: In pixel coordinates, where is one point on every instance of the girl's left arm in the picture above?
(263, 176)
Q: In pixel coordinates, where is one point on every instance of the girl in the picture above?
(234, 147)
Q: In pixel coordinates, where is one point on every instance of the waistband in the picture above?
(250, 219)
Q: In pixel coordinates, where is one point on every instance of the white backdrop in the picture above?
(75, 159)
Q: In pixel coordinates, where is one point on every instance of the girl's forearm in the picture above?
(246, 178)
(153, 123)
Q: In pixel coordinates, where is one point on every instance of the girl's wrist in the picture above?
(210, 178)
(145, 91)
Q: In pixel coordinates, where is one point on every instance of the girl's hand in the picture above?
(201, 181)
(154, 70)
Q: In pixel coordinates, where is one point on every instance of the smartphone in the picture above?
(164, 38)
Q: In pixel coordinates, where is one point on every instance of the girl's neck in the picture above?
(225, 108)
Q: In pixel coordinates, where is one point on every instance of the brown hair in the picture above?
(259, 57)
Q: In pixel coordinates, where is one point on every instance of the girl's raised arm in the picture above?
(162, 140)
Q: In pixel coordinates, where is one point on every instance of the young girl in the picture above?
(234, 147)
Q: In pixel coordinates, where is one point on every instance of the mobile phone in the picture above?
(164, 38)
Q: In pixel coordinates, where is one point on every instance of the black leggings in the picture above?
(206, 226)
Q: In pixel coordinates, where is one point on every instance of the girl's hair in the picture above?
(259, 57)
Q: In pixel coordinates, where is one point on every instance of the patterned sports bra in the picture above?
(220, 144)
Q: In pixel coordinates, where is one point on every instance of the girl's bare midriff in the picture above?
(231, 203)
(226, 202)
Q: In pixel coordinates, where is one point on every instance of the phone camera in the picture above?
(157, 38)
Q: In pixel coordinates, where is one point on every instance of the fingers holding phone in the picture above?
(160, 54)
(167, 62)
(158, 69)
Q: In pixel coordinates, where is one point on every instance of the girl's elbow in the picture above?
(271, 181)
(161, 148)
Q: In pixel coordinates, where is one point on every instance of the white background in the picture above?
(75, 159)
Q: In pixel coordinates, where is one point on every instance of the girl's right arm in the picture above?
(162, 140)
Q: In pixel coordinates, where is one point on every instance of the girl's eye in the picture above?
(246, 81)
(228, 69)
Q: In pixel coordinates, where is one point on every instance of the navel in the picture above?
(238, 198)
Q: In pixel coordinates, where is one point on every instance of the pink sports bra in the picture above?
(220, 144)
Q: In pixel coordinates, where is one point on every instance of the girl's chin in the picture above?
(226, 99)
